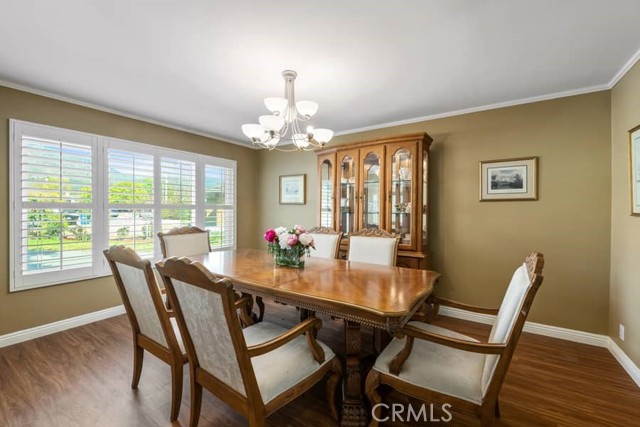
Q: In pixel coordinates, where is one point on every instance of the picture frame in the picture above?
(293, 189)
(634, 170)
(509, 179)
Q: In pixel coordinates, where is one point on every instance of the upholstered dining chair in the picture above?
(185, 241)
(326, 241)
(154, 328)
(255, 370)
(442, 366)
(373, 246)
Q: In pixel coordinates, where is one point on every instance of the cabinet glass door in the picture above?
(401, 195)
(348, 199)
(371, 191)
(425, 197)
(326, 194)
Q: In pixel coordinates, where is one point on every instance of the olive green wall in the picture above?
(476, 246)
(625, 229)
(36, 307)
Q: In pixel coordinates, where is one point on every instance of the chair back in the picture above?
(511, 317)
(140, 295)
(373, 246)
(206, 315)
(326, 242)
(184, 241)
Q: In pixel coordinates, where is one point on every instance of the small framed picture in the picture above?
(634, 169)
(293, 189)
(509, 179)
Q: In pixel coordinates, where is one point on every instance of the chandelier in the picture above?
(289, 121)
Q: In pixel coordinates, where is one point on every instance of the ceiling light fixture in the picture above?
(286, 122)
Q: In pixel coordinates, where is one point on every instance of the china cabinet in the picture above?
(381, 184)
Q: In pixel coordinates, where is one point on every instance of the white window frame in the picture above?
(100, 199)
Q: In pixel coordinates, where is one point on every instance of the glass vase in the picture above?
(290, 258)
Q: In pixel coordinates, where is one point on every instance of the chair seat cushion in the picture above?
(176, 331)
(436, 367)
(279, 370)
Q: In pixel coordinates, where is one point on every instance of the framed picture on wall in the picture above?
(293, 189)
(509, 179)
(634, 169)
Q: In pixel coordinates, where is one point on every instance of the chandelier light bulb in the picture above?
(276, 105)
(322, 135)
(301, 140)
(271, 123)
(253, 131)
(307, 108)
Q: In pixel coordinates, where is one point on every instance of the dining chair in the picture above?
(154, 327)
(185, 241)
(442, 366)
(255, 370)
(373, 246)
(326, 241)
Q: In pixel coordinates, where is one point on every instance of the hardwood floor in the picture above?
(81, 377)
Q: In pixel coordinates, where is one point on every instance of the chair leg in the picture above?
(138, 358)
(371, 390)
(256, 420)
(334, 387)
(196, 400)
(176, 389)
(488, 416)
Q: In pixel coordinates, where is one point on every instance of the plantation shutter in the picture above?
(219, 195)
(54, 197)
(178, 193)
(131, 200)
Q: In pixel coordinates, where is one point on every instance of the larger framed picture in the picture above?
(634, 169)
(509, 179)
(292, 189)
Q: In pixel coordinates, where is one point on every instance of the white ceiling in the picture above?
(206, 65)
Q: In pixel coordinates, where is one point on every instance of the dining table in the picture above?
(378, 296)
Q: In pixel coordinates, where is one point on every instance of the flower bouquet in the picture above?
(289, 246)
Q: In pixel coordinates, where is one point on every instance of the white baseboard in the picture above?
(62, 325)
(624, 360)
(557, 332)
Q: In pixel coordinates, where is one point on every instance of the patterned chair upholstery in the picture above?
(443, 366)
(154, 328)
(255, 370)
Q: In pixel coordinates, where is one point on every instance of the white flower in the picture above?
(306, 239)
(280, 230)
(283, 240)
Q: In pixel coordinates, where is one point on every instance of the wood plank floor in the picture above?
(81, 377)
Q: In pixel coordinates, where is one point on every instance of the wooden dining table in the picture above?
(362, 294)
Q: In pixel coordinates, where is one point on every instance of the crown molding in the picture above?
(487, 107)
(149, 120)
(582, 91)
(625, 69)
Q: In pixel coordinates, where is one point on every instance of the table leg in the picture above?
(354, 413)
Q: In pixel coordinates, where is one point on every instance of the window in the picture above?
(75, 194)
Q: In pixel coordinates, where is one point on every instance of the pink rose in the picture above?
(270, 235)
(292, 240)
(299, 229)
